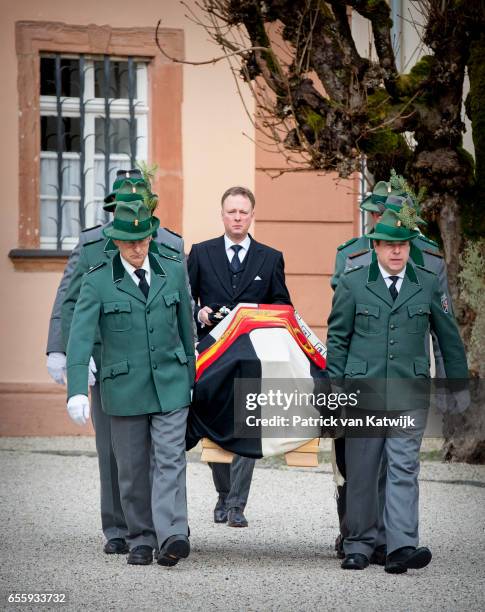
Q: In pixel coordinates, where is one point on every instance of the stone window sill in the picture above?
(38, 260)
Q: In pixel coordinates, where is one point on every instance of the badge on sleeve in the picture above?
(444, 303)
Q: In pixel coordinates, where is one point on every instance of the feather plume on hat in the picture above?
(149, 173)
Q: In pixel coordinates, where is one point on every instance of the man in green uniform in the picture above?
(359, 251)
(91, 250)
(425, 252)
(376, 330)
(140, 303)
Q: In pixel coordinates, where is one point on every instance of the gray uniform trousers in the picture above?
(394, 459)
(112, 521)
(155, 507)
(233, 480)
(112, 518)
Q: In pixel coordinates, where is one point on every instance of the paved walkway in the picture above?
(284, 561)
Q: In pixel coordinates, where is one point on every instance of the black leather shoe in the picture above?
(356, 561)
(339, 547)
(220, 512)
(140, 555)
(174, 548)
(379, 555)
(116, 546)
(408, 557)
(236, 518)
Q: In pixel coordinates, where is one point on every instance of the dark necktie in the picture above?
(392, 287)
(144, 286)
(235, 261)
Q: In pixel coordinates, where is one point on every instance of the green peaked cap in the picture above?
(395, 227)
(132, 221)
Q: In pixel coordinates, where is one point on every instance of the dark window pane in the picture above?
(118, 80)
(119, 135)
(48, 131)
(69, 77)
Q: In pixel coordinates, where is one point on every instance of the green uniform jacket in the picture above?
(147, 345)
(354, 245)
(91, 255)
(370, 336)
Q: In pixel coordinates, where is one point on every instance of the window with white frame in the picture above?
(94, 121)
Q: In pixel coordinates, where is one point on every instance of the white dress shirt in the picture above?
(386, 276)
(228, 243)
(131, 270)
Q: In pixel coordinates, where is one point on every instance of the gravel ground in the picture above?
(284, 561)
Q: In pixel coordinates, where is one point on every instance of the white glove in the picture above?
(78, 409)
(56, 366)
(92, 371)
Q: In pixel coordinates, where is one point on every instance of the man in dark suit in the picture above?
(226, 271)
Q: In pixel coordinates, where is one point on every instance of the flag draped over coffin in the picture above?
(262, 343)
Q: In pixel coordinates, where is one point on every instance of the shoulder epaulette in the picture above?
(435, 253)
(172, 232)
(353, 269)
(170, 256)
(425, 269)
(169, 246)
(94, 241)
(428, 240)
(88, 229)
(357, 253)
(345, 244)
(96, 267)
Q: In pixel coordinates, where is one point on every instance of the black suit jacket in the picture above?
(211, 283)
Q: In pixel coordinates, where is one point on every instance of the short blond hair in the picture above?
(237, 190)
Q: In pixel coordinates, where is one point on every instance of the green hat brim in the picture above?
(389, 238)
(123, 197)
(116, 234)
(370, 206)
(116, 185)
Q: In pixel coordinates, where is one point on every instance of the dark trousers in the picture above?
(233, 480)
